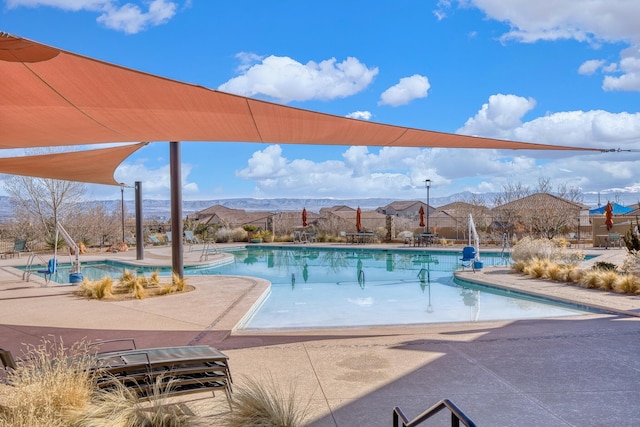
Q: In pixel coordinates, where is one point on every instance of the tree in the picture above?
(39, 203)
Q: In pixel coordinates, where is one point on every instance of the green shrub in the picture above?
(604, 266)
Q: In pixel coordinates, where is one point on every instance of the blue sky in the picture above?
(545, 71)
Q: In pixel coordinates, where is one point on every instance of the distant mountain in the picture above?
(161, 209)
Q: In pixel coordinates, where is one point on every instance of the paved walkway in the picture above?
(576, 371)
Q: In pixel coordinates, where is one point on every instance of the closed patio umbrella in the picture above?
(304, 217)
(608, 213)
(359, 219)
(421, 212)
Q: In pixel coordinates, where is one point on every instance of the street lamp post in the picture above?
(427, 183)
(122, 208)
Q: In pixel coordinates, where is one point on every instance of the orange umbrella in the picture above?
(304, 217)
(359, 219)
(608, 213)
(421, 212)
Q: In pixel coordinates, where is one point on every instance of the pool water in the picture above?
(356, 287)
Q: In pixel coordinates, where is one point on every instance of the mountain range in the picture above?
(161, 209)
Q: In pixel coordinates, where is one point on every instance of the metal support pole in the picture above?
(177, 260)
(122, 208)
(427, 183)
(139, 230)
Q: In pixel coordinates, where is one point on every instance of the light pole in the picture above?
(122, 207)
(427, 183)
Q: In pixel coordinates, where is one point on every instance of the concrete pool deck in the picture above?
(573, 371)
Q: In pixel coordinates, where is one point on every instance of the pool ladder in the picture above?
(32, 266)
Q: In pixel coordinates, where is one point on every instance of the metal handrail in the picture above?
(26, 274)
(457, 415)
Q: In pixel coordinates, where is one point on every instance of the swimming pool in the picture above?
(332, 287)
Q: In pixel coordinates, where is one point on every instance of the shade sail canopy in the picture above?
(617, 209)
(50, 97)
(91, 166)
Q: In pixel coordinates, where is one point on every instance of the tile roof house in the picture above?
(405, 209)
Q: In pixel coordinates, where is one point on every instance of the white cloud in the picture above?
(129, 18)
(156, 183)
(499, 117)
(362, 115)
(595, 22)
(630, 78)
(407, 89)
(285, 79)
(502, 116)
(591, 66)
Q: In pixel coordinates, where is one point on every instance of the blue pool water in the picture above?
(356, 287)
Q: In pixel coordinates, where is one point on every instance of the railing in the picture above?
(457, 416)
(26, 274)
(207, 248)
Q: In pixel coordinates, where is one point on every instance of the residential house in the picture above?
(540, 215)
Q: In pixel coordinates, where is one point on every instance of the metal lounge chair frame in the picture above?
(185, 369)
(182, 369)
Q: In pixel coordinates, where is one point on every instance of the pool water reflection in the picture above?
(342, 287)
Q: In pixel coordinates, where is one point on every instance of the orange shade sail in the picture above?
(51, 97)
(90, 166)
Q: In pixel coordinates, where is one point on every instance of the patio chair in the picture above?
(52, 267)
(468, 256)
(190, 238)
(154, 240)
(615, 240)
(19, 246)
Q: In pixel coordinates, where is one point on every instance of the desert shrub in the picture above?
(631, 263)
(628, 284)
(604, 266)
(529, 249)
(51, 381)
(223, 235)
(239, 235)
(265, 403)
(631, 238)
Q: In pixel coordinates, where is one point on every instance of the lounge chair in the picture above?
(154, 240)
(168, 234)
(189, 369)
(19, 246)
(130, 241)
(184, 369)
(190, 238)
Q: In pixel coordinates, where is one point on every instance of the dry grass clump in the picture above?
(627, 284)
(50, 382)
(120, 407)
(130, 286)
(99, 289)
(603, 276)
(265, 403)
